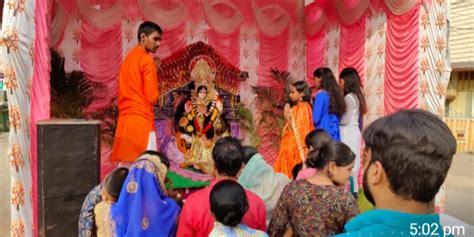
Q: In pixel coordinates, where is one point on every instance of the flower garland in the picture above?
(191, 123)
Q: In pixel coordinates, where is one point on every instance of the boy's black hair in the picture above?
(227, 155)
(415, 148)
(228, 202)
(114, 181)
(249, 151)
(148, 28)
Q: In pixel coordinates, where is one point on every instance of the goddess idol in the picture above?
(200, 123)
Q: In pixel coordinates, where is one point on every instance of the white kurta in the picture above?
(350, 132)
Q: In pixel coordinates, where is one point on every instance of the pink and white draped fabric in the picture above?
(401, 61)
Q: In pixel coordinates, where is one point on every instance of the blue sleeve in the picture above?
(320, 102)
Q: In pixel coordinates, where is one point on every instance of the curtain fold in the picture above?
(173, 40)
(271, 19)
(166, 18)
(228, 45)
(315, 53)
(273, 53)
(401, 61)
(219, 22)
(352, 48)
(100, 59)
(350, 11)
(315, 19)
(400, 7)
(103, 18)
(58, 26)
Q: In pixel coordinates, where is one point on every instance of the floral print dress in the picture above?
(312, 210)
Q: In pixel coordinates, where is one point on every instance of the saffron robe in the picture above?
(137, 95)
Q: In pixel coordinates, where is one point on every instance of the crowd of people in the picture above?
(311, 190)
(406, 159)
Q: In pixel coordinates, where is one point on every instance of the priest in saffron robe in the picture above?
(137, 95)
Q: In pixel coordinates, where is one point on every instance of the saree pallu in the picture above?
(143, 209)
(258, 176)
(292, 145)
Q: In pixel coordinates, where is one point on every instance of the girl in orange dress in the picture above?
(298, 123)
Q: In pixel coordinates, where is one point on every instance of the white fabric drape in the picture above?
(18, 33)
(434, 66)
(331, 59)
(375, 65)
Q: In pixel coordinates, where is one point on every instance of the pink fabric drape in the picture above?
(103, 18)
(69, 6)
(131, 10)
(223, 17)
(191, 6)
(228, 45)
(100, 59)
(173, 40)
(315, 52)
(401, 61)
(352, 48)
(167, 18)
(40, 96)
(400, 7)
(273, 54)
(315, 19)
(272, 19)
(350, 11)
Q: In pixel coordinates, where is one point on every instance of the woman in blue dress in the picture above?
(329, 105)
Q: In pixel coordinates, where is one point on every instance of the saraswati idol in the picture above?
(200, 123)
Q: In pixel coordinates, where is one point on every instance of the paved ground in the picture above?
(459, 188)
(4, 187)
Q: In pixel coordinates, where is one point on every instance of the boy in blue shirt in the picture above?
(406, 160)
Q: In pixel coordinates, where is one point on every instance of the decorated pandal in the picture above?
(199, 103)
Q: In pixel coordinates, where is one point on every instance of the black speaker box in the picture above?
(68, 168)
